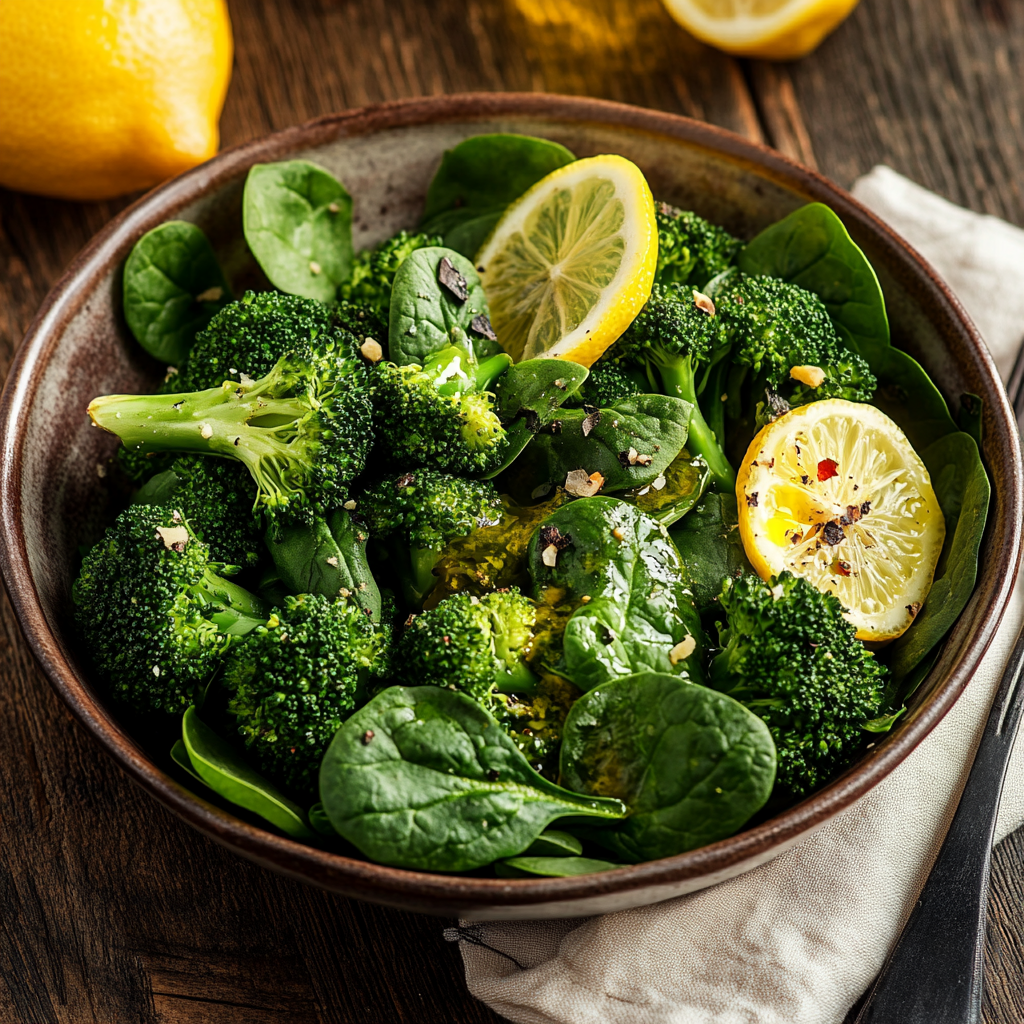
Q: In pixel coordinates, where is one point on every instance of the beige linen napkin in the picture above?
(796, 941)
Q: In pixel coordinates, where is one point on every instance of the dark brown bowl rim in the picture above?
(394, 885)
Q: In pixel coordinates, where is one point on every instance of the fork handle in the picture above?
(934, 973)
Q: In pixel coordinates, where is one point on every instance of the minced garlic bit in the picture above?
(101, 470)
(206, 431)
(659, 482)
(682, 650)
(703, 302)
(333, 207)
(211, 294)
(174, 537)
(812, 376)
(371, 350)
(549, 556)
(333, 560)
(156, 671)
(581, 485)
(314, 267)
(349, 505)
(619, 534)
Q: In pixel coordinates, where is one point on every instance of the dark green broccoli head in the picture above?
(363, 322)
(774, 325)
(249, 336)
(475, 644)
(791, 657)
(154, 617)
(373, 270)
(425, 416)
(427, 508)
(216, 496)
(690, 250)
(296, 679)
(607, 384)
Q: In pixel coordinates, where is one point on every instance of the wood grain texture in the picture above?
(110, 909)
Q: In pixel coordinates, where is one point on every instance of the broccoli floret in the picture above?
(154, 614)
(419, 512)
(690, 250)
(676, 338)
(440, 414)
(791, 657)
(773, 326)
(363, 322)
(249, 336)
(303, 431)
(607, 384)
(296, 679)
(216, 497)
(475, 644)
(373, 270)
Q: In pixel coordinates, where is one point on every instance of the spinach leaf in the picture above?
(554, 843)
(551, 867)
(326, 557)
(528, 396)
(173, 285)
(426, 316)
(636, 612)
(297, 219)
(479, 178)
(709, 545)
(425, 778)
(812, 248)
(692, 765)
(654, 427)
(685, 481)
(226, 773)
(319, 821)
(963, 490)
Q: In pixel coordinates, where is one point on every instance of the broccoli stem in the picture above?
(677, 380)
(518, 679)
(490, 370)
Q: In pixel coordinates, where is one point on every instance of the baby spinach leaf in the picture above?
(173, 285)
(963, 490)
(630, 443)
(425, 778)
(320, 822)
(427, 316)
(326, 557)
(709, 545)
(479, 178)
(970, 418)
(685, 481)
(636, 612)
(812, 248)
(297, 219)
(551, 867)
(692, 765)
(554, 843)
(528, 396)
(226, 773)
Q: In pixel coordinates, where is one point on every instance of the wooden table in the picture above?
(110, 909)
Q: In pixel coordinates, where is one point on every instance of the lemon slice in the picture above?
(775, 29)
(571, 262)
(834, 492)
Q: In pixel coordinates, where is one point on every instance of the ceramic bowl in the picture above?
(51, 491)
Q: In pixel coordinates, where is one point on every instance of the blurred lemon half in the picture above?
(774, 29)
(834, 492)
(102, 97)
(571, 262)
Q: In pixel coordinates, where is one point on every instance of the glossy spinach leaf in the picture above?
(812, 248)
(635, 610)
(479, 178)
(327, 557)
(528, 397)
(654, 427)
(217, 763)
(425, 778)
(551, 867)
(685, 481)
(709, 545)
(426, 316)
(963, 490)
(692, 765)
(320, 822)
(297, 219)
(554, 843)
(173, 285)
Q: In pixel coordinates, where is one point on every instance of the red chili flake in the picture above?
(446, 640)
(493, 774)
(842, 568)
(367, 736)
(827, 469)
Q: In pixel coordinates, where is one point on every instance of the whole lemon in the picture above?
(102, 97)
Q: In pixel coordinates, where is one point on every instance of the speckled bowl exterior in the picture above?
(52, 495)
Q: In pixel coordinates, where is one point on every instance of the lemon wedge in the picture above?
(773, 29)
(834, 492)
(571, 262)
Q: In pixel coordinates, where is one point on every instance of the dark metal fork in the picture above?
(935, 972)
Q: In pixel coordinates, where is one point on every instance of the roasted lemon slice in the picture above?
(776, 29)
(571, 262)
(834, 492)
